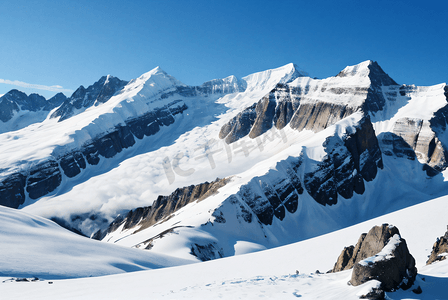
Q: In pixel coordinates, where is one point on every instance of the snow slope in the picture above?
(269, 274)
(34, 246)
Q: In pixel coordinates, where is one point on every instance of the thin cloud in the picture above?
(51, 88)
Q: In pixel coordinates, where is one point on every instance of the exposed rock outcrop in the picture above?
(415, 139)
(380, 254)
(275, 194)
(439, 249)
(163, 207)
(207, 252)
(348, 163)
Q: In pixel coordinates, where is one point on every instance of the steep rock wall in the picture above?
(348, 163)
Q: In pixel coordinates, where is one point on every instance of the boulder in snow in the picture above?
(381, 254)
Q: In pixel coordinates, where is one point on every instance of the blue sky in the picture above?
(60, 45)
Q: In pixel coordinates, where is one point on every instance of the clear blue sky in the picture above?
(71, 43)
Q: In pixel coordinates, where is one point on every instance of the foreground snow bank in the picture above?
(34, 246)
(270, 273)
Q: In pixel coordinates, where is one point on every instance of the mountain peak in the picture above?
(159, 77)
(368, 69)
(297, 70)
(270, 78)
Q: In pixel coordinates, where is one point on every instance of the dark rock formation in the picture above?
(43, 179)
(12, 190)
(439, 249)
(207, 252)
(380, 254)
(72, 164)
(345, 167)
(150, 123)
(349, 256)
(100, 92)
(239, 126)
(163, 207)
(275, 194)
(55, 101)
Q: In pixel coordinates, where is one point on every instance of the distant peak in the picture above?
(158, 72)
(370, 69)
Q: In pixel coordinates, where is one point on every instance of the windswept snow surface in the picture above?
(34, 246)
(270, 274)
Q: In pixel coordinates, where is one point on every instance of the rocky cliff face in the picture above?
(348, 164)
(415, 139)
(163, 208)
(312, 104)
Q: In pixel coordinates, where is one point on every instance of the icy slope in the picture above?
(270, 273)
(34, 246)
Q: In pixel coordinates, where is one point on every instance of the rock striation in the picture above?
(163, 207)
(413, 139)
(439, 249)
(312, 104)
(381, 255)
(349, 162)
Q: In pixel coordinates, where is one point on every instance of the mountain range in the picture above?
(233, 166)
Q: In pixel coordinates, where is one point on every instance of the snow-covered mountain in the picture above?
(338, 157)
(229, 167)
